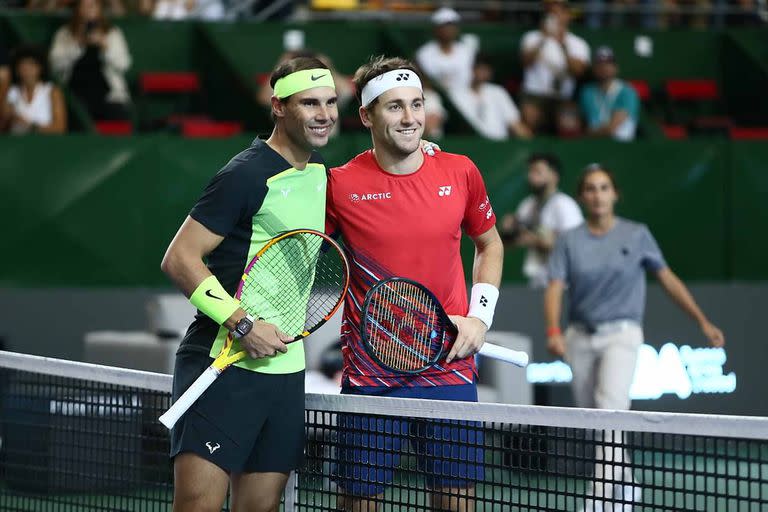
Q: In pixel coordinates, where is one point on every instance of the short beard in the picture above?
(403, 151)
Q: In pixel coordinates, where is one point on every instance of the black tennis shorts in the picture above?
(246, 422)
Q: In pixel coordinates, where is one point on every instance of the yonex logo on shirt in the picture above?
(444, 191)
(486, 205)
(370, 197)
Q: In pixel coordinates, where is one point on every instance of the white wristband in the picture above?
(482, 303)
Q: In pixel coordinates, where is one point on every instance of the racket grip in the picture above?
(515, 357)
(189, 397)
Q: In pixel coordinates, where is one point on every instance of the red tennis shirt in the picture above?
(406, 226)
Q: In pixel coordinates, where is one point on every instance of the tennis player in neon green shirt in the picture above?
(247, 430)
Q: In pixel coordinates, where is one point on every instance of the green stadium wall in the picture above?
(100, 211)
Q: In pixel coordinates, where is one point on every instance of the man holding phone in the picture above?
(554, 59)
(91, 56)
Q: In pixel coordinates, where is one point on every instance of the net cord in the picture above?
(738, 427)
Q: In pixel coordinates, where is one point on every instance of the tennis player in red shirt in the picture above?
(402, 214)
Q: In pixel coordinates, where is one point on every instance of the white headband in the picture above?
(389, 80)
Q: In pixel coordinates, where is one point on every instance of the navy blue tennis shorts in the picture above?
(448, 452)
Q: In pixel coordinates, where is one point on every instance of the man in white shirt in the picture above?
(541, 217)
(553, 59)
(447, 60)
(488, 107)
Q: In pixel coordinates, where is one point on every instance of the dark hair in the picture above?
(591, 169)
(29, 51)
(482, 58)
(293, 65)
(76, 23)
(378, 66)
(549, 158)
(303, 52)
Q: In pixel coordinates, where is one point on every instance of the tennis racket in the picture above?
(297, 281)
(406, 330)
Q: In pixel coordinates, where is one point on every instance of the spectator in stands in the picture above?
(345, 89)
(91, 56)
(610, 106)
(174, 10)
(618, 13)
(541, 217)
(447, 60)
(603, 264)
(488, 107)
(436, 115)
(696, 16)
(553, 60)
(115, 8)
(33, 104)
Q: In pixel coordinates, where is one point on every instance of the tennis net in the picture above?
(81, 437)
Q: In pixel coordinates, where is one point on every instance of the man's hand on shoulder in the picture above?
(430, 148)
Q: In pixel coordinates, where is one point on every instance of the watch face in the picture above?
(244, 326)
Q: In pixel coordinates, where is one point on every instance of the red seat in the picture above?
(713, 123)
(692, 89)
(179, 119)
(210, 129)
(113, 127)
(642, 88)
(751, 133)
(674, 132)
(261, 78)
(169, 82)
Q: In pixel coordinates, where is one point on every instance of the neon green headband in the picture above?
(303, 80)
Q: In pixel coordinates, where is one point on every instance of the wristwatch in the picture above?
(243, 326)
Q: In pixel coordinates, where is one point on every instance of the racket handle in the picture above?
(189, 397)
(508, 355)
